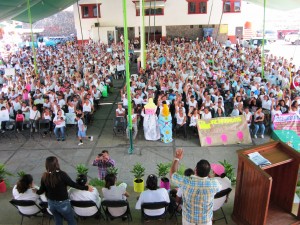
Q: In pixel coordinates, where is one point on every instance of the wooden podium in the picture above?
(265, 195)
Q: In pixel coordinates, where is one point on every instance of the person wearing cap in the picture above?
(198, 191)
(220, 175)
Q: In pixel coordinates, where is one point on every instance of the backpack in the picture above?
(19, 118)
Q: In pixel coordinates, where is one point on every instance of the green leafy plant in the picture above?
(163, 169)
(21, 173)
(138, 171)
(229, 170)
(82, 169)
(4, 173)
(112, 170)
(95, 182)
(181, 169)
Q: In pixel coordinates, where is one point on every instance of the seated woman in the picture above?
(82, 195)
(181, 121)
(24, 190)
(112, 192)
(219, 174)
(259, 123)
(153, 194)
(194, 116)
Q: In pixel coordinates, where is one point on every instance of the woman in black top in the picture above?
(54, 184)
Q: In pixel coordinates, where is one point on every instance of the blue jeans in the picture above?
(260, 127)
(62, 210)
(62, 131)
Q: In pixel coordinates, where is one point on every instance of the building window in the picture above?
(197, 6)
(151, 12)
(231, 6)
(90, 11)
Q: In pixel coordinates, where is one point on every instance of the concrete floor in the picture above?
(29, 155)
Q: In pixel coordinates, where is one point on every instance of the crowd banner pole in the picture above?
(32, 40)
(130, 150)
(263, 43)
(142, 33)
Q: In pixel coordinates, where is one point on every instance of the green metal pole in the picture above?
(130, 150)
(32, 41)
(263, 44)
(143, 41)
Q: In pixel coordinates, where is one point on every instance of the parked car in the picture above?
(270, 35)
(293, 38)
(258, 42)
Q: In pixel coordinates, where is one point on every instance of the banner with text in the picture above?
(287, 122)
(223, 130)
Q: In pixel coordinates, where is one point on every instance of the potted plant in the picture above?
(163, 169)
(112, 170)
(3, 174)
(82, 169)
(229, 170)
(138, 183)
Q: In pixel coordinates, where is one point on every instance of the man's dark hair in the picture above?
(189, 172)
(203, 168)
(105, 151)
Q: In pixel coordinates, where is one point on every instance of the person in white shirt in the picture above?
(82, 195)
(153, 194)
(181, 121)
(60, 124)
(219, 174)
(24, 190)
(34, 116)
(112, 192)
(274, 112)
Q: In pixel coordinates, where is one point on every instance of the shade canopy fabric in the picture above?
(17, 9)
(278, 4)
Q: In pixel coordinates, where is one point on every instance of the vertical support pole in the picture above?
(32, 40)
(263, 43)
(142, 34)
(130, 150)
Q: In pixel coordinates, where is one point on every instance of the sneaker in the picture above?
(63, 139)
(18, 131)
(255, 136)
(262, 136)
(92, 138)
(36, 130)
(58, 139)
(80, 143)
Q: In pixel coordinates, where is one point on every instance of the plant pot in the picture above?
(165, 183)
(2, 187)
(138, 185)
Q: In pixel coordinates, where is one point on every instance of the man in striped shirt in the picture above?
(198, 192)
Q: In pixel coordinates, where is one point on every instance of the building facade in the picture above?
(103, 19)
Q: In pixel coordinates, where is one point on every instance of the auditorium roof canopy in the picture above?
(17, 9)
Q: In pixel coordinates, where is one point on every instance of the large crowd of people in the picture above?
(204, 79)
(65, 83)
(195, 79)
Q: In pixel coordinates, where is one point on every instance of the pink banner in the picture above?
(287, 122)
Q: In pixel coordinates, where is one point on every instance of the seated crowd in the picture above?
(206, 80)
(67, 81)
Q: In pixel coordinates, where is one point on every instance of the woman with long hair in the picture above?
(54, 184)
(112, 192)
(24, 190)
(153, 194)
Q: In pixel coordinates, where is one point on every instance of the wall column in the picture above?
(163, 33)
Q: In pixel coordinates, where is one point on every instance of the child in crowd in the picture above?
(19, 120)
(82, 130)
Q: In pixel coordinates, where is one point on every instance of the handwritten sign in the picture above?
(223, 131)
